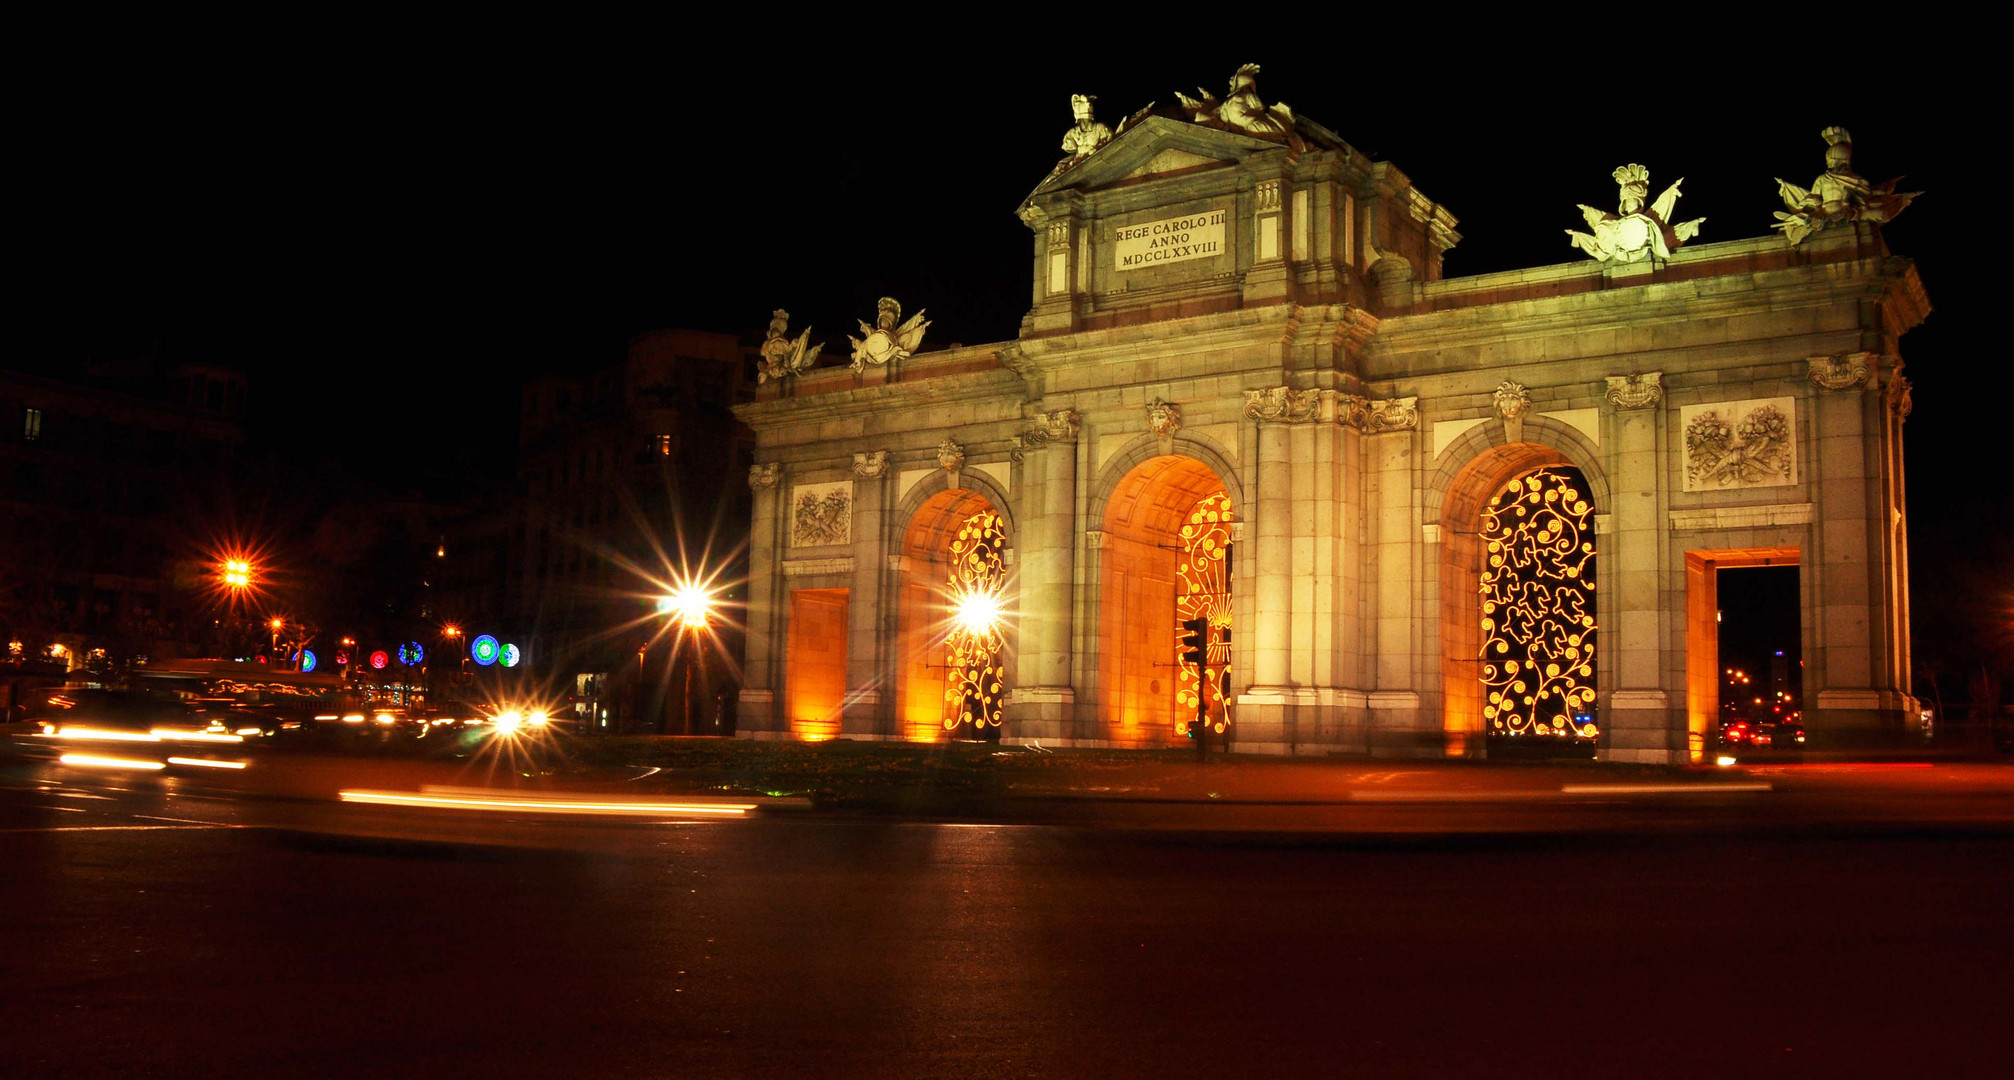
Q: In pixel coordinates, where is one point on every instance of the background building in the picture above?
(629, 477)
(107, 475)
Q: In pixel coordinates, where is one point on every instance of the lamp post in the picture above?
(692, 606)
(277, 625)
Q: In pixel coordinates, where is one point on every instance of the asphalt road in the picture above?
(168, 929)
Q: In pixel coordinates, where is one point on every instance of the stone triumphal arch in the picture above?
(1417, 514)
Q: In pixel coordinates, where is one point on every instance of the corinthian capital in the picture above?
(764, 476)
(1844, 371)
(1282, 405)
(871, 465)
(1635, 391)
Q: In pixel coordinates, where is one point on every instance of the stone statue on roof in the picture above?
(886, 340)
(1087, 135)
(1635, 232)
(1838, 195)
(783, 356)
(1241, 110)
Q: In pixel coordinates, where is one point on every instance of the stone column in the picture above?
(1643, 717)
(1404, 548)
(1042, 703)
(865, 713)
(1853, 692)
(759, 709)
(1266, 712)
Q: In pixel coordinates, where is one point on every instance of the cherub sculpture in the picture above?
(1241, 109)
(1838, 195)
(885, 340)
(1635, 232)
(783, 356)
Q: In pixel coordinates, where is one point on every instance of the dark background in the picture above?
(390, 225)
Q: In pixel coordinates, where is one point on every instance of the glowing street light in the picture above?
(692, 605)
(976, 611)
(236, 574)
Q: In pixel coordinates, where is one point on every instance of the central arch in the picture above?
(1165, 556)
(1490, 563)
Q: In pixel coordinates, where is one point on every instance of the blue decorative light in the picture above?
(307, 660)
(485, 650)
(411, 654)
(511, 655)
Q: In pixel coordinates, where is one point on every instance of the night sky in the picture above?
(391, 226)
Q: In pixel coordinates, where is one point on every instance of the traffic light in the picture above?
(1195, 641)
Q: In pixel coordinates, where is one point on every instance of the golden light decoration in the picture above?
(1538, 607)
(1203, 576)
(977, 675)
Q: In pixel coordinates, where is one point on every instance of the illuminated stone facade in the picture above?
(1254, 313)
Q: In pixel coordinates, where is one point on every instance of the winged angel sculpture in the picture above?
(1635, 232)
(1241, 109)
(1839, 194)
(781, 355)
(885, 340)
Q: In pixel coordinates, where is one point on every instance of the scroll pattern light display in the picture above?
(1538, 607)
(976, 674)
(1203, 590)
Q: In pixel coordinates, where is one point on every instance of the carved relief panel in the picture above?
(1739, 444)
(821, 515)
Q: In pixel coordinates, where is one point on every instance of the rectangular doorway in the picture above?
(815, 662)
(1744, 645)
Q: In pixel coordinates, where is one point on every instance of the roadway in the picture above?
(1821, 920)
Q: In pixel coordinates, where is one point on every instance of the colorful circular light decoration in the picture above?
(342, 659)
(485, 650)
(411, 655)
(511, 655)
(307, 660)
(379, 659)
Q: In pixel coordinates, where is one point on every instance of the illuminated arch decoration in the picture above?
(976, 673)
(307, 661)
(1203, 583)
(484, 650)
(1538, 607)
(411, 654)
(509, 655)
(379, 660)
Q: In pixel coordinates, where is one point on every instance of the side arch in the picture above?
(1477, 465)
(940, 481)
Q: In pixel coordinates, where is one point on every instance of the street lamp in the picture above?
(692, 605)
(236, 574)
(277, 625)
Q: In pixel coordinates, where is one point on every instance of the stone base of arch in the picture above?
(1046, 714)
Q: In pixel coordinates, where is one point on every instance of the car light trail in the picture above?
(96, 762)
(545, 806)
(207, 763)
(101, 733)
(195, 736)
(1661, 789)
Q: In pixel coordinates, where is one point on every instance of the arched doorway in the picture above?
(1167, 559)
(1518, 627)
(951, 667)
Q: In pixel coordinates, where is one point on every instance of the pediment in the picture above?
(1155, 146)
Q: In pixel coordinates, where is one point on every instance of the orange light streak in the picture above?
(207, 763)
(544, 806)
(96, 762)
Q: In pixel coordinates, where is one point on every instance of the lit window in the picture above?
(664, 446)
(31, 428)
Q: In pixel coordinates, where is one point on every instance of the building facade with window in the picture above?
(629, 476)
(1415, 514)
